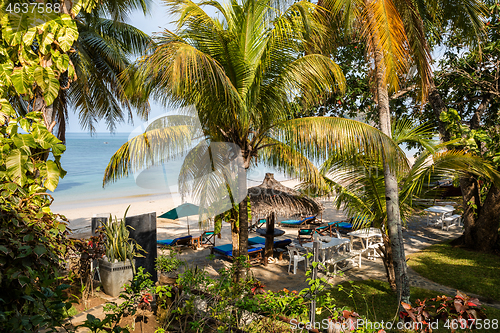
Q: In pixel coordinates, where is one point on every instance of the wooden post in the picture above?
(268, 250)
(314, 277)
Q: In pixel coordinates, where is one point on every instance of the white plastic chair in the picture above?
(294, 255)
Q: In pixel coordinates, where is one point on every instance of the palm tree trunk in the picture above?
(391, 188)
(243, 215)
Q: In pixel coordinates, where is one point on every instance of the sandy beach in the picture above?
(80, 213)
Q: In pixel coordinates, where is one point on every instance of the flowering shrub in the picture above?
(462, 310)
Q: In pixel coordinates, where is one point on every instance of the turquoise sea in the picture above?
(85, 161)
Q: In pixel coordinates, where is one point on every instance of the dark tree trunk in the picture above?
(471, 204)
(488, 222)
(268, 250)
(242, 217)
(481, 224)
(438, 107)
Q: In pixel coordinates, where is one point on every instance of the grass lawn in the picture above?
(469, 271)
(375, 300)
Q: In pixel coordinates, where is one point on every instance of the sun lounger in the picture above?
(206, 238)
(226, 250)
(327, 229)
(180, 241)
(257, 225)
(278, 244)
(297, 223)
(305, 235)
(354, 223)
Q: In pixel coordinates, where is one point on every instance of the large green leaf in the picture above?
(16, 166)
(24, 142)
(45, 78)
(21, 80)
(52, 173)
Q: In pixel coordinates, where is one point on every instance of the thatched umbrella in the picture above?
(271, 198)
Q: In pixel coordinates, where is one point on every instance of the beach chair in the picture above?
(306, 235)
(297, 223)
(226, 250)
(257, 225)
(206, 238)
(329, 228)
(180, 241)
(294, 258)
(354, 223)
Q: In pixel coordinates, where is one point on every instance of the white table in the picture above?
(366, 235)
(335, 258)
(334, 243)
(441, 210)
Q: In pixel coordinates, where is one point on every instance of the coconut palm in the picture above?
(395, 41)
(103, 54)
(243, 72)
(358, 186)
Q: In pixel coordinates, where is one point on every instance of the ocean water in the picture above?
(85, 161)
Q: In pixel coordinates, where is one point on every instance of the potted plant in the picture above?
(167, 266)
(117, 267)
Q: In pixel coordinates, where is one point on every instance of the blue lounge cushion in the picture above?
(262, 241)
(227, 249)
(297, 222)
(292, 222)
(165, 241)
(256, 240)
(345, 225)
(172, 241)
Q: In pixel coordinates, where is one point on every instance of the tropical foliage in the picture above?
(240, 72)
(34, 241)
(34, 53)
(358, 185)
(89, 76)
(104, 50)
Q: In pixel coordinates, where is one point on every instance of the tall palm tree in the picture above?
(394, 34)
(243, 72)
(358, 186)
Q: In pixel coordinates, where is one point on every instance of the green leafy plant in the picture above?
(168, 263)
(119, 245)
(136, 296)
(33, 240)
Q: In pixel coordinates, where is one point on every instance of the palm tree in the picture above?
(358, 184)
(393, 33)
(97, 90)
(243, 72)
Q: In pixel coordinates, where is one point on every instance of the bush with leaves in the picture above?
(33, 240)
(168, 263)
(461, 310)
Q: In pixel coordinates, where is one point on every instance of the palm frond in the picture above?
(148, 149)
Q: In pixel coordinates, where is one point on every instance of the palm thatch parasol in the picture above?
(271, 198)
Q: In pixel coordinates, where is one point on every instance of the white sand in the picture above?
(80, 213)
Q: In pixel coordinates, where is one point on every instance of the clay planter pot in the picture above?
(114, 275)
